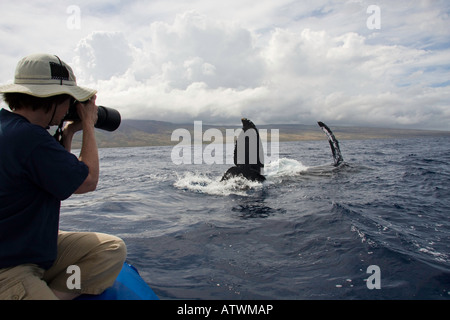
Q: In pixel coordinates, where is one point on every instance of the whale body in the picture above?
(248, 154)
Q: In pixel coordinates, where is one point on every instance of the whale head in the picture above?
(247, 124)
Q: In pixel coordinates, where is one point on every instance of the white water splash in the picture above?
(204, 183)
(201, 183)
(284, 167)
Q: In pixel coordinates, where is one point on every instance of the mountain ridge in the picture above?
(142, 133)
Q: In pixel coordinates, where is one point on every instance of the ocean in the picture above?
(376, 228)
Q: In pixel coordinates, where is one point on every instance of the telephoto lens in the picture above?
(108, 119)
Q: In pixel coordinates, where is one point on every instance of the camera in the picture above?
(108, 119)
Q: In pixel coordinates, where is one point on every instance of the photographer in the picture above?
(36, 174)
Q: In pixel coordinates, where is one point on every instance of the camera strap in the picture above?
(58, 133)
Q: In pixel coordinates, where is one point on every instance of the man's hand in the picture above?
(88, 112)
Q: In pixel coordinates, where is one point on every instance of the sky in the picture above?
(350, 63)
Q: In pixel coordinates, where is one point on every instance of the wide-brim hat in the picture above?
(45, 75)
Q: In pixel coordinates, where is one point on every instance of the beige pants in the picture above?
(99, 257)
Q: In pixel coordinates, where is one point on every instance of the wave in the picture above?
(207, 184)
(408, 238)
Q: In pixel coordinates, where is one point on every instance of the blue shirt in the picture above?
(36, 174)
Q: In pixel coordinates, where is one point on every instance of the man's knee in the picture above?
(113, 247)
(119, 248)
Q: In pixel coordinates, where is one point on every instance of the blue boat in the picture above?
(128, 286)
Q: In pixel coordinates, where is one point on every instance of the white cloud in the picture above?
(291, 61)
(102, 55)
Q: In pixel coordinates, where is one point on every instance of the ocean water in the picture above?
(309, 232)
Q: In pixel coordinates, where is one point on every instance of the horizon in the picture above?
(288, 124)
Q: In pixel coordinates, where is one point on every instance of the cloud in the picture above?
(194, 48)
(192, 67)
(197, 68)
(275, 62)
(102, 55)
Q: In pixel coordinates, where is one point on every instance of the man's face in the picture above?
(61, 111)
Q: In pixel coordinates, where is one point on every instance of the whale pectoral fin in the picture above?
(334, 144)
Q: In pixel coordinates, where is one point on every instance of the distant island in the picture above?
(142, 133)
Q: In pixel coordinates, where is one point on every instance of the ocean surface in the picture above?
(310, 231)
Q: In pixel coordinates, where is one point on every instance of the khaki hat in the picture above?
(45, 75)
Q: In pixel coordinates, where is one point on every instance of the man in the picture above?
(36, 174)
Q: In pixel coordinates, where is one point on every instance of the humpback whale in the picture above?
(334, 144)
(248, 154)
